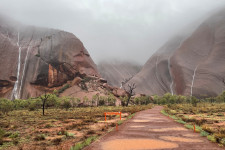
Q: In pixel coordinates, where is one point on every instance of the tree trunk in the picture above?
(43, 108)
(128, 100)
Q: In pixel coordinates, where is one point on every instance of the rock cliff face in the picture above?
(33, 59)
(118, 71)
(188, 66)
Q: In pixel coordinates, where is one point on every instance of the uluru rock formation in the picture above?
(33, 58)
(192, 66)
(116, 72)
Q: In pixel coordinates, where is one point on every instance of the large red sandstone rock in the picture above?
(49, 58)
(196, 65)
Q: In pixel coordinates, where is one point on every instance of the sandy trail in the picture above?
(150, 129)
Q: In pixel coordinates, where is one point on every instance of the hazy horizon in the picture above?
(114, 30)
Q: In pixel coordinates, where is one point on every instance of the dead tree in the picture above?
(125, 81)
(44, 98)
(130, 91)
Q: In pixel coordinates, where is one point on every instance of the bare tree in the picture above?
(125, 81)
(130, 90)
(44, 98)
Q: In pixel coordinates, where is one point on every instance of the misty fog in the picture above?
(115, 29)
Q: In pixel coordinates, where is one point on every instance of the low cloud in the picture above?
(115, 29)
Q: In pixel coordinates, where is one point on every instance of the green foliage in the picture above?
(5, 105)
(2, 134)
(15, 135)
(102, 100)
(83, 144)
(123, 100)
(63, 88)
(20, 104)
(120, 122)
(111, 100)
(95, 99)
(211, 138)
(66, 104)
(204, 133)
(181, 121)
(40, 137)
(86, 100)
(75, 102)
(52, 101)
(142, 100)
(194, 101)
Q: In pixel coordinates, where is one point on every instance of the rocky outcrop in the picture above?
(155, 76)
(192, 66)
(116, 72)
(33, 59)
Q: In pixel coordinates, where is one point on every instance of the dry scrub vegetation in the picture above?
(208, 118)
(59, 128)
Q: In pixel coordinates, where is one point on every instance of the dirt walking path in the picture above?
(150, 129)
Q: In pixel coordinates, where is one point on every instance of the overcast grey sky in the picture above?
(109, 29)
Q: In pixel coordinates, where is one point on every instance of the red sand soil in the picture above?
(140, 133)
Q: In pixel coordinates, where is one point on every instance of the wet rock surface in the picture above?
(192, 66)
(48, 58)
(150, 129)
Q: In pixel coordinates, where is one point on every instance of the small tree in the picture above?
(44, 98)
(130, 91)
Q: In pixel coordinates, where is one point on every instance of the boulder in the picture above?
(119, 92)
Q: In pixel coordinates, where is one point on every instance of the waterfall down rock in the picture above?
(195, 65)
(33, 59)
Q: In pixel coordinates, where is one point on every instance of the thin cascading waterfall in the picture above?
(193, 79)
(24, 68)
(15, 88)
(157, 75)
(171, 84)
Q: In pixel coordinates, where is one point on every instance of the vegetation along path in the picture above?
(150, 129)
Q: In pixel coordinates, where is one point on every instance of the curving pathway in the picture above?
(150, 129)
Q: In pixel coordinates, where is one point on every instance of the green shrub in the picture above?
(2, 134)
(204, 133)
(63, 88)
(6, 105)
(83, 144)
(111, 100)
(20, 104)
(52, 101)
(15, 135)
(40, 137)
(66, 104)
(102, 100)
(211, 138)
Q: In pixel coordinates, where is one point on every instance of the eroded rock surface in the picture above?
(191, 65)
(32, 59)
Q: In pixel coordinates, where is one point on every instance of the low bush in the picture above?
(6, 105)
(2, 134)
(63, 88)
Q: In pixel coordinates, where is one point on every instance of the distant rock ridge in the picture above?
(33, 58)
(117, 71)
